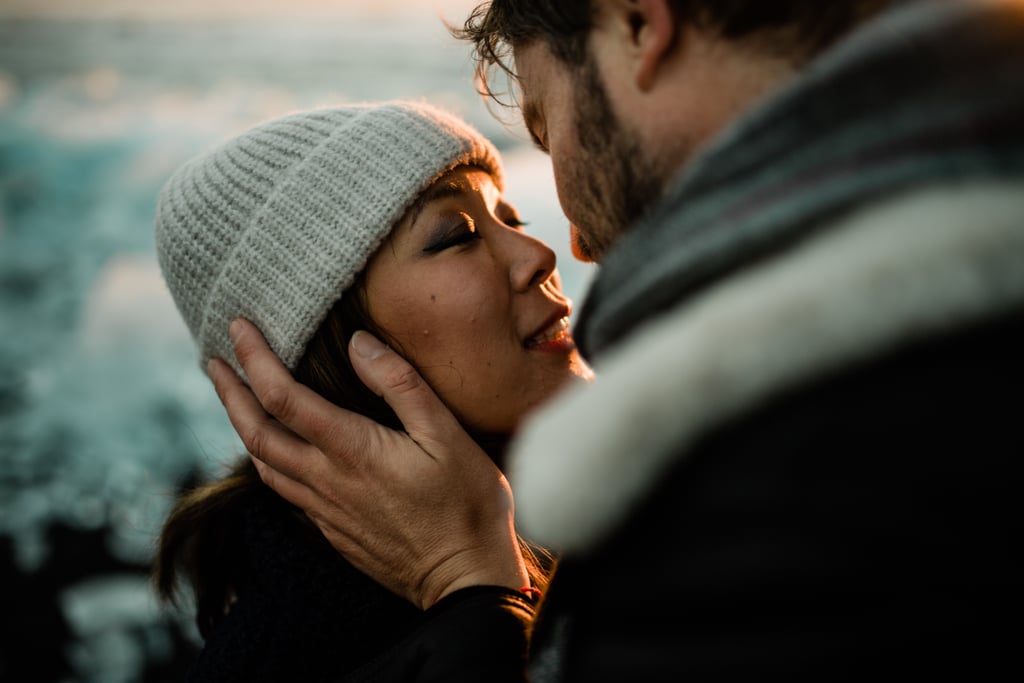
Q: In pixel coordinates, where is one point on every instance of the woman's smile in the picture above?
(474, 303)
(551, 333)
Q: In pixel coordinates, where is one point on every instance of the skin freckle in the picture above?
(457, 316)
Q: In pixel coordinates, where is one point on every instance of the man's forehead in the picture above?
(529, 81)
(529, 60)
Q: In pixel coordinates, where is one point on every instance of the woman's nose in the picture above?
(532, 262)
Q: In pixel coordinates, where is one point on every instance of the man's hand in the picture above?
(423, 512)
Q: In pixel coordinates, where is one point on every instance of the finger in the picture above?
(295, 492)
(261, 434)
(425, 417)
(302, 410)
(302, 497)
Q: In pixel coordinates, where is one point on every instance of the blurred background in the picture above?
(104, 414)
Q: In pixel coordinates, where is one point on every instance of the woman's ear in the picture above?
(654, 34)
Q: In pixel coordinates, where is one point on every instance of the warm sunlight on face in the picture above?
(475, 303)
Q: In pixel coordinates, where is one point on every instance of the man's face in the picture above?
(604, 179)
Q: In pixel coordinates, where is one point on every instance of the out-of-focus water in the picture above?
(103, 410)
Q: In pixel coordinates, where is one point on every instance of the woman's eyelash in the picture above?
(466, 232)
(453, 238)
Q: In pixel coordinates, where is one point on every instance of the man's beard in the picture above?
(615, 181)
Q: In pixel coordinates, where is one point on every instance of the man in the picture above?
(800, 458)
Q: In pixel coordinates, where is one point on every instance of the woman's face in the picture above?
(474, 303)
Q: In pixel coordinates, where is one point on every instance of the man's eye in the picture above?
(538, 142)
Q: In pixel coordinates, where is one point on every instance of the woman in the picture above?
(386, 218)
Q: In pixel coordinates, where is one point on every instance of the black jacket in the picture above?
(303, 613)
(864, 525)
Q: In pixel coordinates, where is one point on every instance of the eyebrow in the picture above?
(435, 192)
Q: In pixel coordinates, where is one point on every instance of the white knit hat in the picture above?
(274, 225)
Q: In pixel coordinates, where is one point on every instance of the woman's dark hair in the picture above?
(798, 29)
(200, 541)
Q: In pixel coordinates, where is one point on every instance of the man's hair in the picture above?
(796, 29)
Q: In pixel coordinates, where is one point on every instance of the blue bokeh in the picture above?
(104, 414)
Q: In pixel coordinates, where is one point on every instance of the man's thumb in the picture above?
(394, 379)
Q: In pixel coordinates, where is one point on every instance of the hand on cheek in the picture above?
(424, 512)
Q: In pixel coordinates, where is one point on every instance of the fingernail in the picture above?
(212, 367)
(367, 346)
(235, 330)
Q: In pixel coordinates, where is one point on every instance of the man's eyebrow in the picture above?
(439, 190)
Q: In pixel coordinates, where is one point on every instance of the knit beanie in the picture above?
(274, 225)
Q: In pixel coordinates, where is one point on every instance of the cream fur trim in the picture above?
(901, 271)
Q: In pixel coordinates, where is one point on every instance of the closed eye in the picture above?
(515, 222)
(458, 235)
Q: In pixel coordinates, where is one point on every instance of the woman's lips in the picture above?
(554, 337)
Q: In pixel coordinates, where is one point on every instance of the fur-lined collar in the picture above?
(889, 275)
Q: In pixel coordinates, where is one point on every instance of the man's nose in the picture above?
(580, 249)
